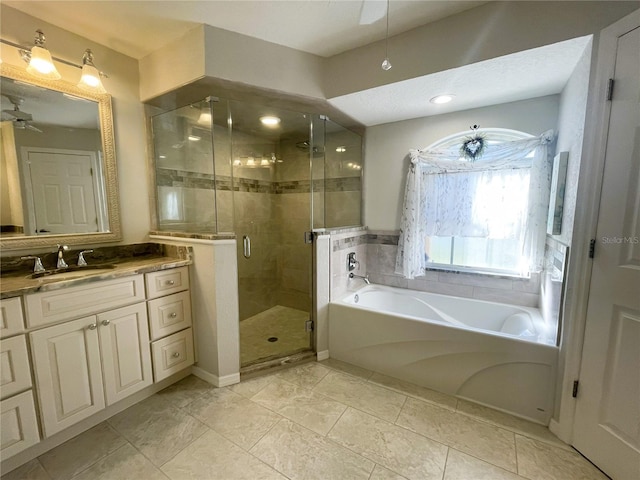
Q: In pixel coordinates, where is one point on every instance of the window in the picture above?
(486, 214)
(490, 237)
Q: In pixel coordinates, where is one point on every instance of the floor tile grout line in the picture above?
(401, 408)
(324, 437)
(92, 464)
(259, 459)
(446, 462)
(455, 447)
(187, 445)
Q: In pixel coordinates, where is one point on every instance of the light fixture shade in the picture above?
(41, 64)
(90, 79)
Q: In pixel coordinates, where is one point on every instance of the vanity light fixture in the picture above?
(441, 99)
(341, 149)
(90, 77)
(194, 138)
(386, 64)
(40, 64)
(40, 61)
(270, 120)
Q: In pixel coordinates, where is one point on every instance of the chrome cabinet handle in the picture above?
(93, 326)
(170, 282)
(246, 244)
(106, 322)
(173, 315)
(175, 355)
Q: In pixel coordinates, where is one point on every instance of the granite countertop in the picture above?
(127, 260)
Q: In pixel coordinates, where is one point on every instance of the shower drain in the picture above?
(272, 339)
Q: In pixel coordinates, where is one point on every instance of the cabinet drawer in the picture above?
(11, 319)
(15, 373)
(169, 314)
(19, 426)
(167, 281)
(172, 354)
(73, 302)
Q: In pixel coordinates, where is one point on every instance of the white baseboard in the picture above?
(214, 379)
(323, 355)
(562, 433)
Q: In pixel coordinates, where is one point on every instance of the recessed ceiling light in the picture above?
(270, 121)
(439, 99)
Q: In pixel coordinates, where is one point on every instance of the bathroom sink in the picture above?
(72, 272)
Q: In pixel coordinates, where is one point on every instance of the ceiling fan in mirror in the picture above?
(21, 120)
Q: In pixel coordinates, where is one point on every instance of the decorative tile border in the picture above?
(167, 177)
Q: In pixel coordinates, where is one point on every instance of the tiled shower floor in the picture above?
(323, 421)
(283, 323)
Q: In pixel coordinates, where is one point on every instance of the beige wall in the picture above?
(122, 84)
(227, 55)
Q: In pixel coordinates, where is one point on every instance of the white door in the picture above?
(607, 422)
(126, 354)
(68, 373)
(60, 190)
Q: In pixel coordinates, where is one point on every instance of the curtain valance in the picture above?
(437, 203)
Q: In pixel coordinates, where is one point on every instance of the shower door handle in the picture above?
(246, 246)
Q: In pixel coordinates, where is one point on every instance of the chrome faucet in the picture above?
(82, 262)
(61, 263)
(365, 277)
(37, 266)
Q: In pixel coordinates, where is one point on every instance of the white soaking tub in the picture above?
(494, 354)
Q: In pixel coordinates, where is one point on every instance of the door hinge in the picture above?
(610, 89)
(592, 248)
(574, 392)
(308, 237)
(308, 326)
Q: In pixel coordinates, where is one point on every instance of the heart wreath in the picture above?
(473, 147)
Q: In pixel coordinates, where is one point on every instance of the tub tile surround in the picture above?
(193, 430)
(376, 251)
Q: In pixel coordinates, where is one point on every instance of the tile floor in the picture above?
(284, 323)
(327, 420)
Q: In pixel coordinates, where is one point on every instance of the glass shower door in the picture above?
(272, 212)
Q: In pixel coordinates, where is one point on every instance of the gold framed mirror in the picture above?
(58, 175)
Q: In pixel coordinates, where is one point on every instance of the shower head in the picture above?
(305, 146)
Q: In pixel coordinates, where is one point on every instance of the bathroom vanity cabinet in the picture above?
(92, 344)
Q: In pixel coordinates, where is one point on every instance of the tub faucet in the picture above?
(61, 263)
(365, 277)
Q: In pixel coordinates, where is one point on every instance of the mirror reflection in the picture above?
(54, 170)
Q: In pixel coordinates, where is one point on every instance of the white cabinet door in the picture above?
(68, 373)
(126, 354)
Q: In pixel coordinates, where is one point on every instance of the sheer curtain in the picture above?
(447, 196)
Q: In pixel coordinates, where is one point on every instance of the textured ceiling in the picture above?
(519, 76)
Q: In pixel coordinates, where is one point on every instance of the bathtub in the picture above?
(490, 353)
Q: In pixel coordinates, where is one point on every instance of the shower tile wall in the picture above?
(351, 240)
(342, 174)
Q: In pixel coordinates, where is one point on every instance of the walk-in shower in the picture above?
(270, 176)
